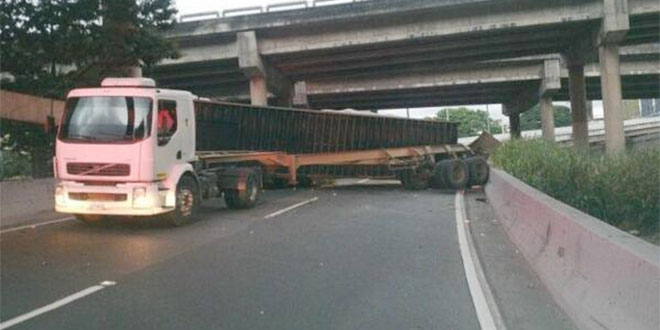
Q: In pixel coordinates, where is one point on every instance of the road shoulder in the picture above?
(523, 300)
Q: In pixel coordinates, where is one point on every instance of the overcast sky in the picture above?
(198, 6)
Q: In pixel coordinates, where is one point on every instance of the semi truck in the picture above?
(131, 149)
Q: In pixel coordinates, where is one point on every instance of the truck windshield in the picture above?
(107, 119)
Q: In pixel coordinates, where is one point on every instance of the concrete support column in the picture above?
(610, 80)
(258, 91)
(514, 125)
(547, 119)
(578, 95)
(262, 76)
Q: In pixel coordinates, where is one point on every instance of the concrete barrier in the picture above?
(602, 277)
(23, 202)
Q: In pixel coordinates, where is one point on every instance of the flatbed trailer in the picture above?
(239, 175)
(397, 159)
(231, 126)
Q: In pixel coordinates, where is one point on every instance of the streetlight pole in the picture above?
(487, 118)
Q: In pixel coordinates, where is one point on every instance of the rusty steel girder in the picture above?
(228, 126)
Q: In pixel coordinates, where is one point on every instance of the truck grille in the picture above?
(98, 169)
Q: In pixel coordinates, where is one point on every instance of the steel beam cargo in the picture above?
(229, 126)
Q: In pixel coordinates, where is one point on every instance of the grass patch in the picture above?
(621, 190)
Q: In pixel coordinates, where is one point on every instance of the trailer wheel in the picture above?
(244, 199)
(187, 201)
(479, 171)
(451, 173)
(90, 219)
(417, 179)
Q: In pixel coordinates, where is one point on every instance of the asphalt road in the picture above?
(357, 258)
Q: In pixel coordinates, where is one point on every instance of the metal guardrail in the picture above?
(291, 5)
(277, 7)
(242, 11)
(197, 15)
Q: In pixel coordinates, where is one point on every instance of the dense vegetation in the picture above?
(472, 122)
(621, 190)
(25, 150)
(531, 119)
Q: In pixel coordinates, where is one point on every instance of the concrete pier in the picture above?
(514, 125)
(258, 91)
(578, 96)
(547, 118)
(611, 89)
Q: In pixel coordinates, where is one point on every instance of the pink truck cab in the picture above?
(123, 149)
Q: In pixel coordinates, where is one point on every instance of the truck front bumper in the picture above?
(139, 199)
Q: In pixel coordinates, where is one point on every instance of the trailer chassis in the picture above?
(397, 159)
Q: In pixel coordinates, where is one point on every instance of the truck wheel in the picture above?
(451, 173)
(187, 200)
(244, 199)
(90, 219)
(479, 171)
(438, 179)
(417, 179)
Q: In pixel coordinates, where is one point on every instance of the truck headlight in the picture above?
(141, 199)
(60, 195)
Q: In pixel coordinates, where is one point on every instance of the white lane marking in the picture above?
(363, 181)
(483, 309)
(36, 225)
(57, 304)
(294, 206)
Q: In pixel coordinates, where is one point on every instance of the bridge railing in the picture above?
(187, 17)
(291, 5)
(283, 6)
(242, 11)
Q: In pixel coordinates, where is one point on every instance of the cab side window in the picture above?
(166, 121)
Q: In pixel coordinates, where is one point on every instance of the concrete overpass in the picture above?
(266, 55)
(482, 83)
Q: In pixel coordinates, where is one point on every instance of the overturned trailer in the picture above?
(228, 126)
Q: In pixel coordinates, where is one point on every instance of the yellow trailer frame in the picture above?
(393, 157)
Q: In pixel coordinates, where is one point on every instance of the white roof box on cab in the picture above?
(128, 82)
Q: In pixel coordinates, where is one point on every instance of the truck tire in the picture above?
(90, 219)
(479, 171)
(417, 179)
(187, 202)
(451, 174)
(244, 199)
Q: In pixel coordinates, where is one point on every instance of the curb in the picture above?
(483, 300)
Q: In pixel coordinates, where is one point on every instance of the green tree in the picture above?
(531, 119)
(50, 46)
(472, 122)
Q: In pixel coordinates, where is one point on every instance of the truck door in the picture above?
(168, 148)
(186, 118)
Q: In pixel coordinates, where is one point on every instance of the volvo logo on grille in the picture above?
(96, 169)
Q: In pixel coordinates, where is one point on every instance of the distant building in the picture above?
(649, 107)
